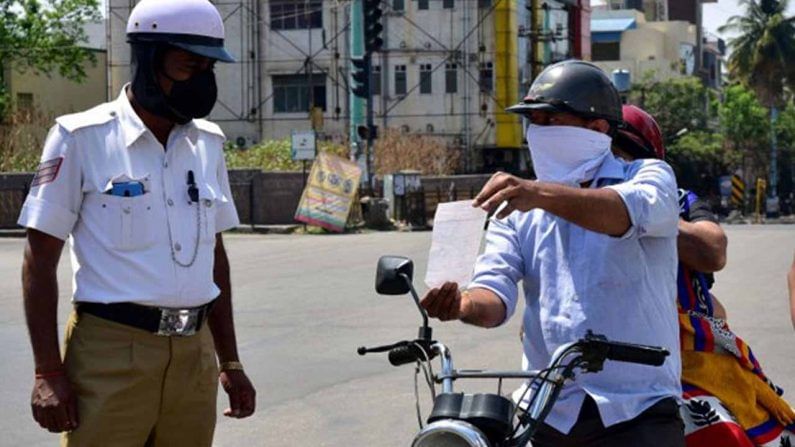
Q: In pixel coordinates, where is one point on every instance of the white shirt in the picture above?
(121, 247)
(575, 279)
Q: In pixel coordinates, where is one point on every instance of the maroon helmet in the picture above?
(640, 135)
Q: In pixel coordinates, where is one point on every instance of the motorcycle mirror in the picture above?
(394, 275)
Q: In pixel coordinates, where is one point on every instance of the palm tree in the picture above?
(763, 54)
(763, 57)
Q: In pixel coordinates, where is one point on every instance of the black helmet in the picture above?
(573, 86)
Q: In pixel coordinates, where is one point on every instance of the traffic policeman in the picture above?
(140, 188)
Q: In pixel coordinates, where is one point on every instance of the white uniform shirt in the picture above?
(575, 280)
(121, 247)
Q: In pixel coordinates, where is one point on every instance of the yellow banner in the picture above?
(328, 197)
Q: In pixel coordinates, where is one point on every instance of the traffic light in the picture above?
(361, 77)
(372, 26)
(365, 133)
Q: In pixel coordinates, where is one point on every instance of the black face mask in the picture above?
(194, 97)
(189, 99)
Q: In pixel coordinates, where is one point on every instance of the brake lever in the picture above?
(364, 350)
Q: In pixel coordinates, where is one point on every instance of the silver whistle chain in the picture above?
(196, 242)
(171, 237)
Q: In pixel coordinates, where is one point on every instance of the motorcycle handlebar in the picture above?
(632, 353)
(406, 354)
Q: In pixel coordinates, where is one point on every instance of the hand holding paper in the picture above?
(457, 234)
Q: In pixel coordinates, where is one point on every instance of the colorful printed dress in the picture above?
(728, 400)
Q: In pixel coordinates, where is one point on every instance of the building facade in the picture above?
(656, 39)
(448, 68)
(623, 40)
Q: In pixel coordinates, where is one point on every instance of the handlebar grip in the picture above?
(645, 355)
(405, 354)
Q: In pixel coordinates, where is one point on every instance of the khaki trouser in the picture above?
(138, 389)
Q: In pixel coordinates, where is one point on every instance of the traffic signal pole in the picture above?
(368, 29)
(356, 103)
(370, 118)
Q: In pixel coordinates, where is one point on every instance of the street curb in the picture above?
(265, 229)
(13, 233)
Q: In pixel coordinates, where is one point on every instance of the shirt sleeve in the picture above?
(226, 215)
(501, 266)
(55, 197)
(651, 198)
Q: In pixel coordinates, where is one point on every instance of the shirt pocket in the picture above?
(128, 221)
(210, 198)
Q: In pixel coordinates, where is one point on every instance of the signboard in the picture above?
(725, 185)
(327, 200)
(303, 145)
(687, 57)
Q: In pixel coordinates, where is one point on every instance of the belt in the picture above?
(157, 320)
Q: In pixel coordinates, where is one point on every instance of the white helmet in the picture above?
(192, 25)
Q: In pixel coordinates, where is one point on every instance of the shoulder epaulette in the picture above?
(210, 127)
(95, 116)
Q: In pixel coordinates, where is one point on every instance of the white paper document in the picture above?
(457, 233)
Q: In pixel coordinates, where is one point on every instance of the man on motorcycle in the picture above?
(728, 400)
(594, 242)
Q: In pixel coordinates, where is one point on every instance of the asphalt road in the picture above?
(304, 303)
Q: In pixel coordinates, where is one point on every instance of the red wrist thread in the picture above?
(49, 374)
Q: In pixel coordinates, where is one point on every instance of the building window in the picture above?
(400, 79)
(606, 51)
(291, 93)
(484, 3)
(426, 79)
(486, 77)
(451, 78)
(422, 4)
(291, 14)
(398, 5)
(375, 80)
(25, 102)
(448, 4)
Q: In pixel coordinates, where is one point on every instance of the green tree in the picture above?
(763, 58)
(677, 104)
(45, 37)
(744, 123)
(699, 158)
(785, 129)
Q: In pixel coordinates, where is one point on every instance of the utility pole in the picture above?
(536, 49)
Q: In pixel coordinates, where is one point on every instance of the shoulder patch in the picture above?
(209, 127)
(100, 114)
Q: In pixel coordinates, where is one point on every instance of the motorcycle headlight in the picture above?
(449, 433)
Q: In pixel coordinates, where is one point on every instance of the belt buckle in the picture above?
(179, 322)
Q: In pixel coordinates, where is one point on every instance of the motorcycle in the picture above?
(485, 419)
